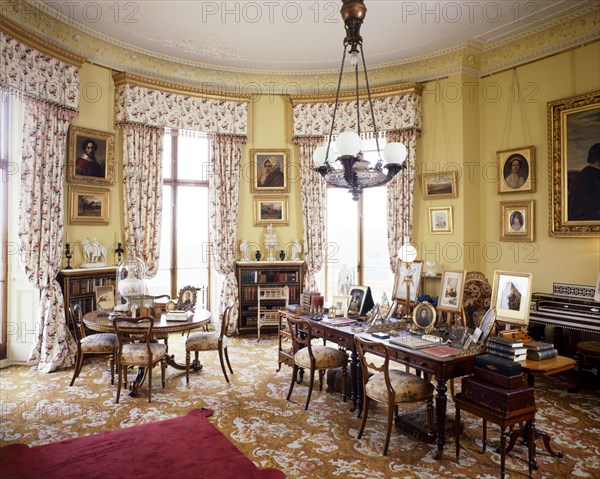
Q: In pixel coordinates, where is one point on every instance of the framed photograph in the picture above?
(88, 206)
(440, 220)
(361, 300)
(424, 316)
(186, 298)
(516, 170)
(340, 303)
(482, 332)
(511, 297)
(270, 210)
(451, 295)
(91, 157)
(574, 150)
(516, 220)
(439, 185)
(269, 171)
(105, 299)
(404, 275)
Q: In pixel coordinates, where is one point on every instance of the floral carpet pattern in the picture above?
(38, 408)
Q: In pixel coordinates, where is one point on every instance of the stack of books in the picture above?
(510, 349)
(538, 350)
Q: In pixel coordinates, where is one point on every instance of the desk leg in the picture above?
(355, 382)
(440, 415)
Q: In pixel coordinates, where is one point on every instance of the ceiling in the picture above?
(299, 35)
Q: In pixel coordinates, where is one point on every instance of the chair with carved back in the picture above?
(313, 357)
(210, 341)
(93, 345)
(137, 347)
(389, 386)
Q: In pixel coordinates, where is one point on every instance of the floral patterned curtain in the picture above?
(400, 195)
(314, 202)
(142, 178)
(41, 228)
(49, 89)
(224, 193)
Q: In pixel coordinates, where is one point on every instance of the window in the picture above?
(357, 250)
(184, 255)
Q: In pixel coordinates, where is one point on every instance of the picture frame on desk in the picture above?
(340, 303)
(399, 292)
(105, 300)
(451, 293)
(361, 300)
(511, 296)
(424, 316)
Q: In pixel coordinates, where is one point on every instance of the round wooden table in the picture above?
(162, 328)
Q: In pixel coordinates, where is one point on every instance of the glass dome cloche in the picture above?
(130, 279)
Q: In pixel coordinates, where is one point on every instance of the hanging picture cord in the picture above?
(515, 95)
(445, 134)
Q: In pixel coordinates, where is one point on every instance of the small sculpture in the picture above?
(345, 280)
(244, 250)
(270, 242)
(430, 268)
(296, 250)
(94, 254)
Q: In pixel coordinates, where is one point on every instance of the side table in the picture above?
(505, 420)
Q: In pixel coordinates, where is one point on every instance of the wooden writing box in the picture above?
(498, 365)
(500, 380)
(497, 398)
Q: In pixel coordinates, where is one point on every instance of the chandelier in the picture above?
(352, 171)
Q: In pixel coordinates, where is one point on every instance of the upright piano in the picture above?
(566, 316)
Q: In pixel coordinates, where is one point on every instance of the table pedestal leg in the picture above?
(440, 415)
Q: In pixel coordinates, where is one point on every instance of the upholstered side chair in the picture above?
(313, 357)
(389, 386)
(136, 348)
(210, 341)
(93, 345)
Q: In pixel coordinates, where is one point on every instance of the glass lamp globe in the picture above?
(348, 143)
(130, 279)
(319, 155)
(395, 153)
(407, 253)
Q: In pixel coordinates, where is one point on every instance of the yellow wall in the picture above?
(96, 112)
(464, 126)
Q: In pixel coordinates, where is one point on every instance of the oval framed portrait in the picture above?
(424, 316)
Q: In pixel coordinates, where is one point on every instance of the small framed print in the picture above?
(340, 303)
(440, 220)
(361, 300)
(439, 185)
(269, 171)
(516, 170)
(452, 291)
(424, 316)
(270, 210)
(91, 156)
(186, 298)
(516, 220)
(511, 296)
(88, 206)
(402, 277)
(105, 299)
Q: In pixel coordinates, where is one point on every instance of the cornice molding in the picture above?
(36, 42)
(122, 78)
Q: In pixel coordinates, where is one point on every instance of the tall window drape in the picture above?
(312, 191)
(142, 179)
(49, 89)
(224, 193)
(400, 196)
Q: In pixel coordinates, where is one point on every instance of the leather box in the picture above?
(498, 365)
(497, 398)
(500, 380)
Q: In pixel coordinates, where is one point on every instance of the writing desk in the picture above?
(441, 369)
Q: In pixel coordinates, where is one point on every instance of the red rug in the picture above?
(184, 447)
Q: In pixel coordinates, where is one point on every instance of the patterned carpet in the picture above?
(319, 443)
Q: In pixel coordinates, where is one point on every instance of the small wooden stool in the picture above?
(505, 421)
(585, 349)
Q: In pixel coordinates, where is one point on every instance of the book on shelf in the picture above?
(510, 356)
(506, 342)
(538, 346)
(542, 354)
(491, 346)
(443, 351)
